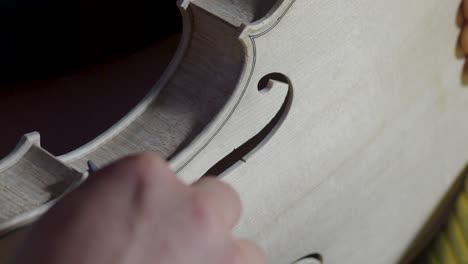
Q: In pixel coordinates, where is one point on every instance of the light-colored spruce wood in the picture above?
(372, 137)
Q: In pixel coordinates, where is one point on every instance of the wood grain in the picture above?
(373, 136)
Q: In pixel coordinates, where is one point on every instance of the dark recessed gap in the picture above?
(263, 83)
(314, 256)
(72, 69)
(48, 38)
(239, 153)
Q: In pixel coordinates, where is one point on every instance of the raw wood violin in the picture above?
(344, 123)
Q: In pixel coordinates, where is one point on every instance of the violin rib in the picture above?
(189, 107)
(32, 180)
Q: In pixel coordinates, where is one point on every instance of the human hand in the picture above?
(136, 211)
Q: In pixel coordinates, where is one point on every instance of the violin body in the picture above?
(342, 124)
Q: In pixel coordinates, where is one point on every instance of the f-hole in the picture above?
(314, 258)
(238, 154)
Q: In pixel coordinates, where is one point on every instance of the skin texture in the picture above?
(462, 21)
(136, 211)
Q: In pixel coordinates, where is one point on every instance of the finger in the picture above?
(128, 177)
(464, 38)
(220, 199)
(248, 252)
(145, 168)
(137, 180)
(460, 15)
(465, 8)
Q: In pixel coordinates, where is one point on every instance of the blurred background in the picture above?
(71, 69)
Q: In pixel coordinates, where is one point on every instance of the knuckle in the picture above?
(229, 190)
(202, 215)
(143, 167)
(145, 161)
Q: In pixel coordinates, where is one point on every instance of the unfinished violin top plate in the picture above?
(353, 113)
